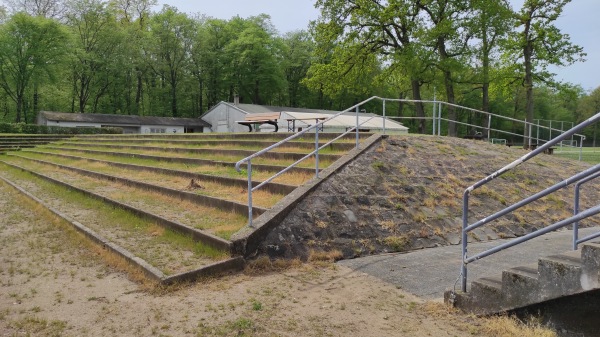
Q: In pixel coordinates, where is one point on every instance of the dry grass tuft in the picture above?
(325, 256)
(497, 326)
(505, 326)
(264, 264)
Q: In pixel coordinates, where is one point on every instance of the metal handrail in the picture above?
(467, 228)
(576, 240)
(315, 152)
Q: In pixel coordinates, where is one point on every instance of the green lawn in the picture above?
(588, 154)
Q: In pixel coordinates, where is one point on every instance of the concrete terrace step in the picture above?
(241, 183)
(206, 200)
(236, 136)
(173, 159)
(202, 151)
(306, 144)
(19, 138)
(139, 208)
(167, 258)
(552, 277)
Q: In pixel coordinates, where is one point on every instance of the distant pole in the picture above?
(384, 117)
(434, 119)
(357, 109)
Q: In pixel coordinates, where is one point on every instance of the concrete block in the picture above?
(520, 285)
(590, 264)
(560, 275)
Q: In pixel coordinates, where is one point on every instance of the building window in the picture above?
(158, 130)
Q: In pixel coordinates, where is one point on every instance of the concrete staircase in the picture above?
(174, 188)
(552, 277)
(18, 142)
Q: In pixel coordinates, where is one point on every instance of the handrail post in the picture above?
(439, 119)
(463, 269)
(489, 136)
(434, 120)
(357, 109)
(317, 150)
(384, 117)
(575, 212)
(250, 192)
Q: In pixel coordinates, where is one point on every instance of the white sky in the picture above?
(580, 20)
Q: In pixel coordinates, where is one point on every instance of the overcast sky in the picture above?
(580, 20)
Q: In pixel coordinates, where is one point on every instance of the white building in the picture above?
(129, 123)
(224, 117)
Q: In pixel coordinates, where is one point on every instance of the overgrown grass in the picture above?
(288, 148)
(208, 187)
(219, 221)
(219, 157)
(169, 251)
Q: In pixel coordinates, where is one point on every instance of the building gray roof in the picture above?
(254, 109)
(122, 119)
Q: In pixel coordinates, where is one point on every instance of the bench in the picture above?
(476, 136)
(261, 118)
(292, 122)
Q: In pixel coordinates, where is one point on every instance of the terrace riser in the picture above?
(270, 187)
(247, 135)
(197, 235)
(231, 143)
(239, 153)
(29, 138)
(193, 161)
(20, 143)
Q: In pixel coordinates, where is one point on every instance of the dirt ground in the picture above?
(53, 283)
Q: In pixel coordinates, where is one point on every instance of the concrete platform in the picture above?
(427, 273)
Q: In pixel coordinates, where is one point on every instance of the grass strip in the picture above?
(261, 198)
(221, 223)
(291, 178)
(168, 251)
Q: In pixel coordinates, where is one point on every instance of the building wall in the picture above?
(163, 129)
(223, 118)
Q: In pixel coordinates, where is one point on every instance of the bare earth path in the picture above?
(53, 283)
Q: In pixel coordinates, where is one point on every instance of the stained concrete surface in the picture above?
(428, 272)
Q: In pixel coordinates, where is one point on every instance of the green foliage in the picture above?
(32, 129)
(121, 57)
(30, 50)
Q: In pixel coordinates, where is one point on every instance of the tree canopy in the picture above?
(126, 57)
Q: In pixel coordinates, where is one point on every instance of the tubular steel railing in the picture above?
(576, 239)
(315, 153)
(436, 117)
(591, 172)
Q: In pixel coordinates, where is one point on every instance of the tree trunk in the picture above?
(452, 116)
(19, 107)
(528, 83)
(448, 83)
(174, 111)
(138, 93)
(419, 109)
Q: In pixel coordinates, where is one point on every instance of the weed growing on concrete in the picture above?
(396, 243)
